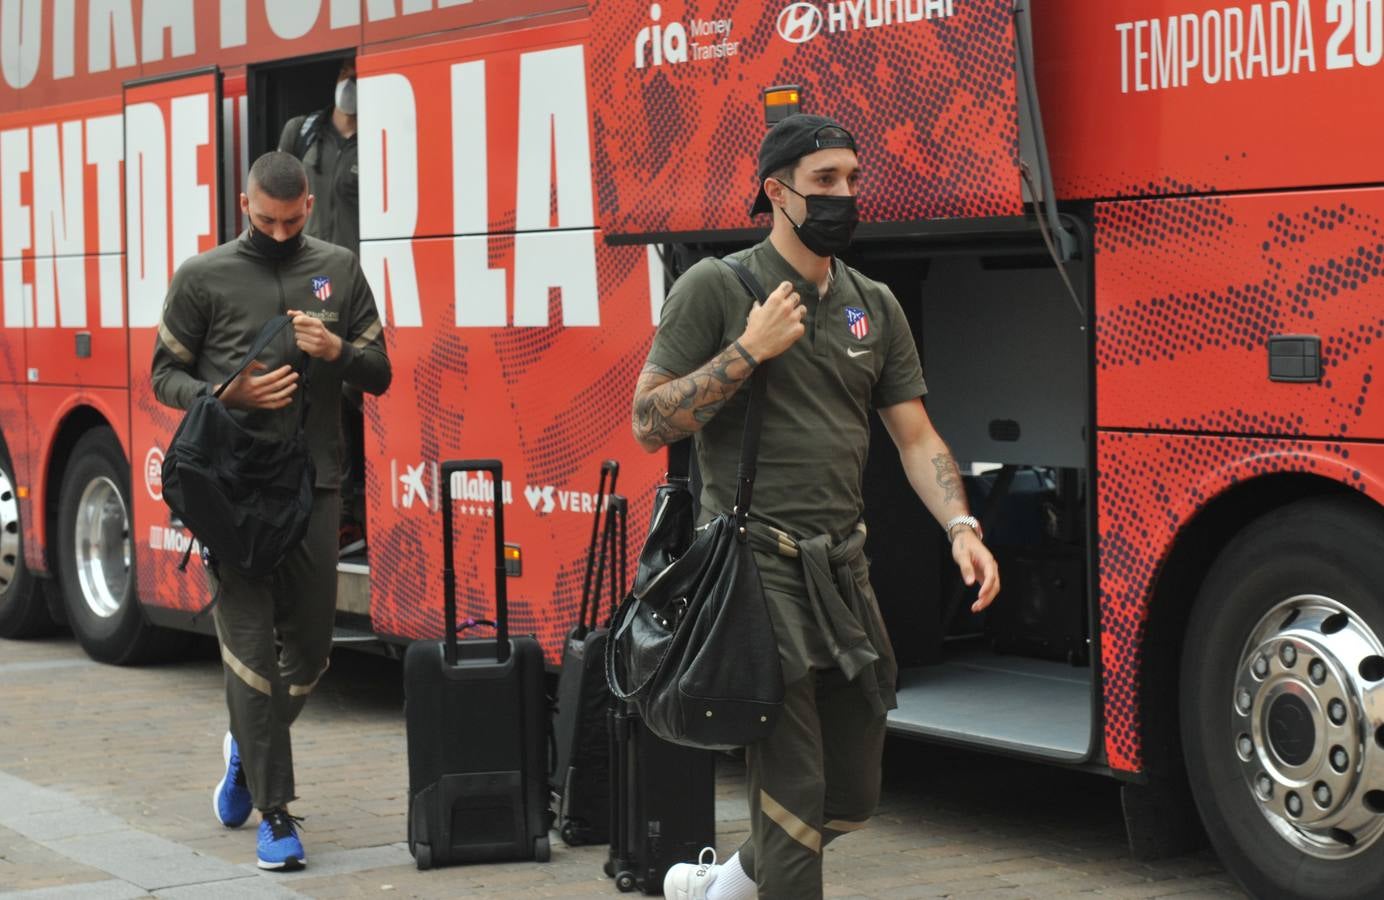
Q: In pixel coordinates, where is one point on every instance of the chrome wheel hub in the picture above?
(1307, 725)
(9, 532)
(103, 548)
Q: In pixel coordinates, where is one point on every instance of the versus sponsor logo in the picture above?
(674, 43)
(800, 22)
(546, 498)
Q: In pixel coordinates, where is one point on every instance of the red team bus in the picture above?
(1148, 313)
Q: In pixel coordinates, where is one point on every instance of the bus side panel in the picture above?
(48, 408)
(1150, 486)
(1190, 292)
(171, 142)
(517, 334)
(62, 215)
(384, 23)
(926, 88)
(1147, 97)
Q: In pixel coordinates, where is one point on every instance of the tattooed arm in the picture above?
(668, 408)
(934, 475)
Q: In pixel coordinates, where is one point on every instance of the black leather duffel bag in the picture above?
(246, 498)
(692, 646)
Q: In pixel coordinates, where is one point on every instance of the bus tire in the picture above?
(96, 553)
(23, 607)
(1282, 661)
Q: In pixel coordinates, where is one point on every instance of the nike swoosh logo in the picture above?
(854, 353)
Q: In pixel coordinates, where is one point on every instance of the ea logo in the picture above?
(153, 473)
(799, 23)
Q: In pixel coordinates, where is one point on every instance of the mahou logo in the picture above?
(657, 44)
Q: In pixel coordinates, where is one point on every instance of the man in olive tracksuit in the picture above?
(841, 346)
(216, 305)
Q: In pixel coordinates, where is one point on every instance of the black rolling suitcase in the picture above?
(477, 725)
(581, 775)
(662, 803)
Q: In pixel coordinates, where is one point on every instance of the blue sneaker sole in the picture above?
(288, 865)
(216, 792)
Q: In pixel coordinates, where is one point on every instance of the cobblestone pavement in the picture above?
(106, 777)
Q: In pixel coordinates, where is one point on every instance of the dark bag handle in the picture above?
(449, 578)
(754, 412)
(270, 330)
(612, 468)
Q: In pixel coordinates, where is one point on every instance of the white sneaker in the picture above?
(690, 881)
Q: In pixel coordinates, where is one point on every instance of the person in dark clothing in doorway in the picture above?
(325, 141)
(841, 346)
(275, 632)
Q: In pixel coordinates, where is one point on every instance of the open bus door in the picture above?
(174, 210)
(956, 218)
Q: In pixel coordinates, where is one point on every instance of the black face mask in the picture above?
(272, 249)
(830, 223)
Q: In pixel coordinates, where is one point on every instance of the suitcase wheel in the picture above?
(542, 850)
(422, 855)
(609, 868)
(572, 834)
(624, 882)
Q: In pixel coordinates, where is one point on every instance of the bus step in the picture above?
(352, 636)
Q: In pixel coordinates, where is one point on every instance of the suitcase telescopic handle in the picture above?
(449, 578)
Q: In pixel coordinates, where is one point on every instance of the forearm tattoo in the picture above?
(668, 409)
(948, 476)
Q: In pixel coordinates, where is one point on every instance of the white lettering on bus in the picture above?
(110, 21)
(15, 227)
(479, 289)
(147, 192)
(59, 226)
(174, 17)
(105, 149)
(21, 40)
(1231, 44)
(387, 143)
(291, 19)
(554, 140)
(192, 212)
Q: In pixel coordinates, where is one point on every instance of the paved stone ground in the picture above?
(106, 777)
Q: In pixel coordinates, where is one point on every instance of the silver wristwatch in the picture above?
(970, 522)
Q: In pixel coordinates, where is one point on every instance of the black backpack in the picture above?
(246, 498)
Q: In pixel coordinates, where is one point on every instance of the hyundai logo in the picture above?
(799, 22)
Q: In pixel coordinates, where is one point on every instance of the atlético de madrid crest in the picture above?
(857, 322)
(321, 287)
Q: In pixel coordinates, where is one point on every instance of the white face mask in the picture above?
(346, 96)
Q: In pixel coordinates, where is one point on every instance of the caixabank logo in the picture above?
(672, 43)
(802, 21)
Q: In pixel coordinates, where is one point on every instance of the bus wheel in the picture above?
(96, 552)
(1282, 702)
(23, 610)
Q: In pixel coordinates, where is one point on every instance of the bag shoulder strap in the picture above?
(754, 412)
(266, 334)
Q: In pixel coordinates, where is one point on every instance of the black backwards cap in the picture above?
(789, 141)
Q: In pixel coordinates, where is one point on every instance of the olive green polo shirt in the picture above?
(816, 429)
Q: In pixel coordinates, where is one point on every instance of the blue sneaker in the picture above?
(231, 799)
(279, 847)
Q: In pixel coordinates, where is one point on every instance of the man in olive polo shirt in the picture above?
(841, 346)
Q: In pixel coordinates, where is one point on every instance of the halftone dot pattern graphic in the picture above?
(551, 402)
(931, 104)
(1189, 291)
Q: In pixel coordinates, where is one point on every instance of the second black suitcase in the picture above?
(581, 776)
(662, 803)
(476, 718)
